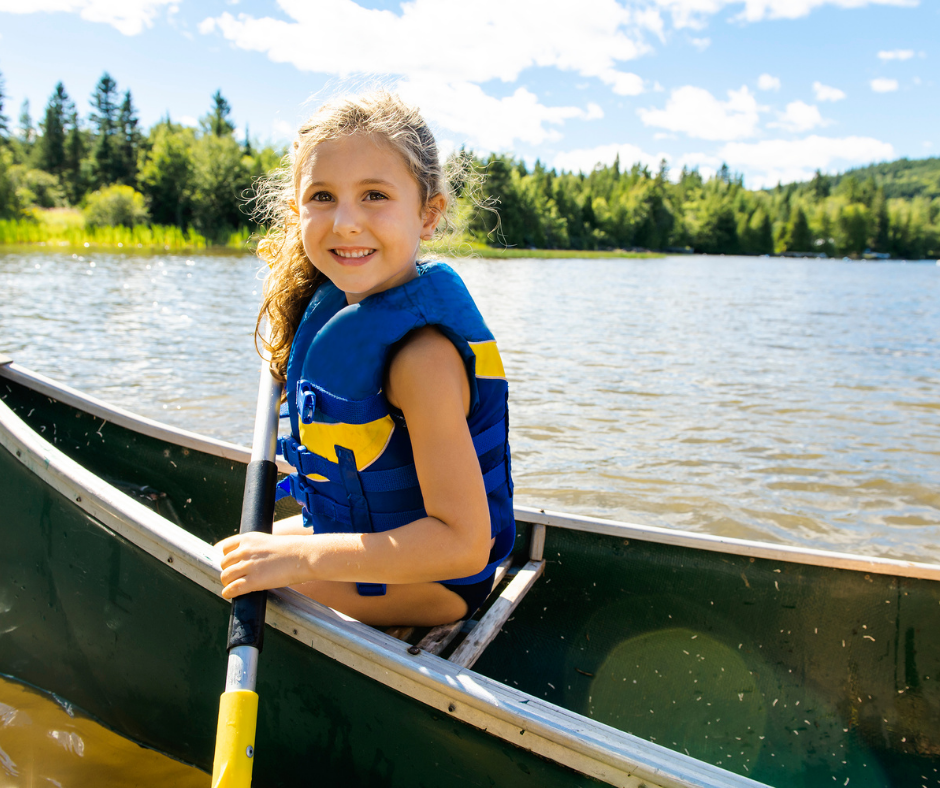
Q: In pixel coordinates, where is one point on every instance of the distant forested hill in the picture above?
(904, 178)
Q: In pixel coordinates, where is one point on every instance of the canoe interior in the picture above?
(787, 673)
(95, 619)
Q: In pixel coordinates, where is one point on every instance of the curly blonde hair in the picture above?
(293, 279)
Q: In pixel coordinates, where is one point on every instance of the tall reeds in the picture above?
(36, 231)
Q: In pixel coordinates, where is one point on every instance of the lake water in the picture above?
(793, 401)
(785, 400)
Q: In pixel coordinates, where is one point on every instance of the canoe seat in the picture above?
(489, 626)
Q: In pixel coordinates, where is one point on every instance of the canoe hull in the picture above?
(792, 666)
(95, 619)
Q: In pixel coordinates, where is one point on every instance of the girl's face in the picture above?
(361, 215)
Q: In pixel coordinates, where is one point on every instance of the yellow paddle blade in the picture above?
(235, 739)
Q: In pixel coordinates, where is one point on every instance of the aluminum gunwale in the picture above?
(124, 418)
(729, 545)
(573, 522)
(562, 736)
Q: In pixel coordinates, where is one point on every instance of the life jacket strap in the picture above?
(310, 397)
(323, 508)
(308, 463)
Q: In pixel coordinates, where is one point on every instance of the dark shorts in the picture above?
(474, 594)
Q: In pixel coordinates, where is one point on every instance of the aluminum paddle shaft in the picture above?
(238, 706)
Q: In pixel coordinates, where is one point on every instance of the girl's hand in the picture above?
(258, 561)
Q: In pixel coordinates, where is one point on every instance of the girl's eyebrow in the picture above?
(363, 182)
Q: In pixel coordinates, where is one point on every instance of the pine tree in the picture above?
(217, 121)
(27, 132)
(128, 141)
(108, 164)
(798, 238)
(881, 238)
(4, 120)
(52, 143)
(74, 179)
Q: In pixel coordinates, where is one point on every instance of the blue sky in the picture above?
(775, 88)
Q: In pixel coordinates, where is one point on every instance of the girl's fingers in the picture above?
(230, 574)
(229, 543)
(235, 588)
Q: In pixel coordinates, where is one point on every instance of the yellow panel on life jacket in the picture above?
(489, 363)
(367, 441)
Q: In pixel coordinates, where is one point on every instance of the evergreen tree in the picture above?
(74, 180)
(105, 116)
(821, 186)
(246, 147)
(852, 229)
(217, 121)
(880, 240)
(4, 120)
(128, 141)
(27, 132)
(52, 143)
(798, 237)
(757, 234)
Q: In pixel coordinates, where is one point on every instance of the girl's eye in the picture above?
(371, 196)
(321, 197)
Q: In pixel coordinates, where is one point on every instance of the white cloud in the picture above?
(767, 82)
(591, 39)
(882, 85)
(896, 54)
(701, 44)
(695, 112)
(826, 93)
(692, 13)
(588, 38)
(486, 122)
(586, 159)
(622, 83)
(769, 161)
(129, 17)
(799, 117)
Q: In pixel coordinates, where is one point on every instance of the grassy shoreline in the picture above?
(65, 229)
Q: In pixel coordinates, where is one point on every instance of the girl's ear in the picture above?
(433, 212)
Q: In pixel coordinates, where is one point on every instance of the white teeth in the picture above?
(362, 253)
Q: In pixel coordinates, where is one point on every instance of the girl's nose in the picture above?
(346, 220)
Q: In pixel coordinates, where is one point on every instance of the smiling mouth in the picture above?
(352, 254)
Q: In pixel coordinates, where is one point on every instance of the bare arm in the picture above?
(428, 382)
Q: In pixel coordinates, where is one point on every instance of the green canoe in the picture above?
(611, 654)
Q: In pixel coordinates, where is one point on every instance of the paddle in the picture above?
(238, 706)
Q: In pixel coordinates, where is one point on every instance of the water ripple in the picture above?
(792, 400)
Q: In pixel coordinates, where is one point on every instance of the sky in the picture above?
(774, 88)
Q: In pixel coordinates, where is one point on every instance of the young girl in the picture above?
(395, 388)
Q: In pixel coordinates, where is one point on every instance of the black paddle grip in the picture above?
(246, 625)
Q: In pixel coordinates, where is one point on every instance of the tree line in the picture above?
(117, 173)
(631, 208)
(198, 178)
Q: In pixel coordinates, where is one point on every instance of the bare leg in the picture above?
(415, 604)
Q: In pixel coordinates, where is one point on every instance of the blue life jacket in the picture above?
(351, 448)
